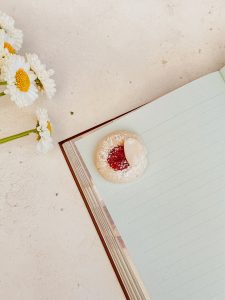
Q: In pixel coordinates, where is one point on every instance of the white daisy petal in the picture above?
(44, 145)
(20, 81)
(45, 142)
(3, 53)
(13, 36)
(51, 72)
(6, 22)
(43, 76)
(2, 36)
(6, 49)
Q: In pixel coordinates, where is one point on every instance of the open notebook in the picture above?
(165, 232)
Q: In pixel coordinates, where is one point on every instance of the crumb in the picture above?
(210, 28)
(62, 209)
(9, 152)
(56, 194)
(164, 61)
(130, 82)
(21, 161)
(209, 12)
(72, 113)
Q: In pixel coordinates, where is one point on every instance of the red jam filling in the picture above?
(117, 159)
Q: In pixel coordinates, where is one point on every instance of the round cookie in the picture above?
(121, 157)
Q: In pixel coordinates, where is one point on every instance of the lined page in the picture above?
(172, 219)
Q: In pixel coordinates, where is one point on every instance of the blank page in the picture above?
(172, 219)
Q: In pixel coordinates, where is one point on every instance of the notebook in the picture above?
(164, 233)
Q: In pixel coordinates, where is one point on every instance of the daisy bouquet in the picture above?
(22, 78)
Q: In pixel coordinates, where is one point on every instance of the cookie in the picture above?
(121, 157)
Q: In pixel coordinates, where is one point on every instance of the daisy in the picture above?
(43, 80)
(3, 51)
(20, 81)
(13, 37)
(43, 130)
(6, 22)
(6, 49)
(13, 41)
(3, 56)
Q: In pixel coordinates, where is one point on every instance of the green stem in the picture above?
(17, 136)
(2, 94)
(3, 83)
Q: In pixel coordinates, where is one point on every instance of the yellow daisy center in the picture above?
(22, 80)
(49, 126)
(9, 47)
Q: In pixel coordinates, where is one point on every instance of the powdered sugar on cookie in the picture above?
(121, 157)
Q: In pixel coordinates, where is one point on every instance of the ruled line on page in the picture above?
(183, 232)
(149, 224)
(221, 266)
(183, 122)
(186, 110)
(184, 257)
(200, 263)
(175, 186)
(144, 238)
